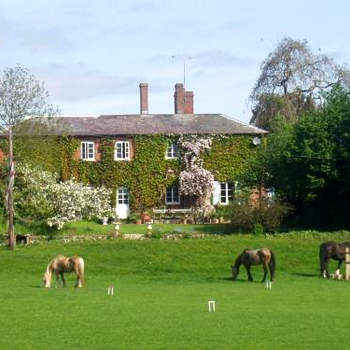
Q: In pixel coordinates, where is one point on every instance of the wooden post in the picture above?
(347, 263)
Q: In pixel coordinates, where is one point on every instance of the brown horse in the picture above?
(332, 250)
(250, 257)
(62, 264)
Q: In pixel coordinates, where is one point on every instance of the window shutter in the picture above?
(216, 193)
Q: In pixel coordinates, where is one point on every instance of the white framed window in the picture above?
(123, 195)
(122, 150)
(226, 192)
(172, 195)
(172, 151)
(87, 150)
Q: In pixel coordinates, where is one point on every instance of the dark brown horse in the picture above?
(250, 257)
(331, 250)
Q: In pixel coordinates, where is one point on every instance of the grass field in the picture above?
(161, 294)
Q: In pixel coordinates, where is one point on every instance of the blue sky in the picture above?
(93, 54)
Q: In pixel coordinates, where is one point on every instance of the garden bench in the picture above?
(167, 215)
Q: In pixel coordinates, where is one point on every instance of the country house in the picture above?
(139, 155)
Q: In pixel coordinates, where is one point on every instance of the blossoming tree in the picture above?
(195, 181)
(41, 196)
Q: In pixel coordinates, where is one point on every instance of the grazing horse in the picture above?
(250, 257)
(332, 250)
(62, 264)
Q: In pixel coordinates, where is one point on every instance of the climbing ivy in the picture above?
(146, 176)
(229, 156)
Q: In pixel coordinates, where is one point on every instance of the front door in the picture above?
(122, 207)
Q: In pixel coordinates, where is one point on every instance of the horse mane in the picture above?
(238, 260)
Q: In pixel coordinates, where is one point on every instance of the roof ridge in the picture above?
(243, 123)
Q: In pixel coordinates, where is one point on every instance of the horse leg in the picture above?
(250, 277)
(337, 272)
(63, 280)
(57, 279)
(78, 282)
(265, 272)
(325, 271)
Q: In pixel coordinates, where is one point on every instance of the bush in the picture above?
(40, 196)
(267, 215)
(133, 218)
(258, 230)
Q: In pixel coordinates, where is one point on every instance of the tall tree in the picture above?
(308, 162)
(292, 81)
(21, 96)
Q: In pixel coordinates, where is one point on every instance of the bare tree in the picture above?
(292, 71)
(22, 96)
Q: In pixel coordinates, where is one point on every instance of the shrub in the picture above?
(267, 215)
(40, 196)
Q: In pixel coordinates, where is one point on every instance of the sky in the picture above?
(92, 55)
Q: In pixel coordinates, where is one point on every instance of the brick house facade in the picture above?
(123, 129)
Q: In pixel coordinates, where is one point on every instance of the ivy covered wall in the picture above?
(146, 176)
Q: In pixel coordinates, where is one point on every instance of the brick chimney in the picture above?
(179, 98)
(188, 102)
(143, 98)
(183, 100)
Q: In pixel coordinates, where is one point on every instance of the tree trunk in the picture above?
(11, 229)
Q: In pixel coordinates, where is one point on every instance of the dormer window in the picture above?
(122, 150)
(87, 150)
(172, 151)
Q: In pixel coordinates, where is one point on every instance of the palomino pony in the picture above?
(62, 264)
(250, 257)
(332, 250)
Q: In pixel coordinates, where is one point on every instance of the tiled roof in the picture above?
(164, 124)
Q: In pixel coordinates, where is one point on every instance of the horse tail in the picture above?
(272, 264)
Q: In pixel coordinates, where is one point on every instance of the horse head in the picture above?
(235, 271)
(47, 279)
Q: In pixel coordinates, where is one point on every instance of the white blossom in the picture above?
(63, 201)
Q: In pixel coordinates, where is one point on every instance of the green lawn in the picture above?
(161, 294)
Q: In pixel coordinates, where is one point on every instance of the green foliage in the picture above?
(308, 162)
(147, 175)
(266, 214)
(229, 156)
(258, 230)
